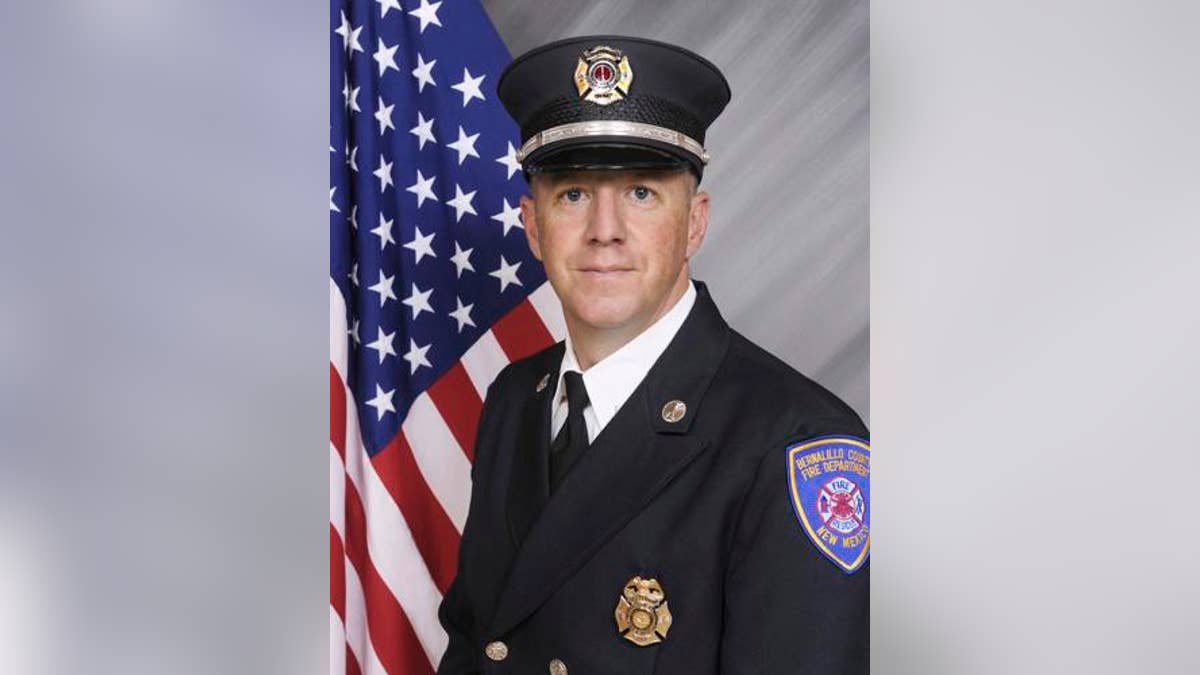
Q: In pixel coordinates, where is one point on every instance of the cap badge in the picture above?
(642, 614)
(603, 75)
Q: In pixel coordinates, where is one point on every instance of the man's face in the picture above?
(615, 244)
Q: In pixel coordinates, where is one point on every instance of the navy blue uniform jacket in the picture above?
(701, 504)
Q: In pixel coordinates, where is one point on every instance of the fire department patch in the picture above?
(829, 482)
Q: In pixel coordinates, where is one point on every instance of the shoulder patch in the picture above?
(830, 487)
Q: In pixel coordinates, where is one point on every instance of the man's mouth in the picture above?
(605, 270)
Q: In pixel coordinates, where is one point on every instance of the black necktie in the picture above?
(572, 439)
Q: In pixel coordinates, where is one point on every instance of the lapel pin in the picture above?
(642, 614)
(543, 382)
(674, 411)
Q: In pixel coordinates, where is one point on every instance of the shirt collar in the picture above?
(610, 381)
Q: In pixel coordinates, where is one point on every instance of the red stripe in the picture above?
(337, 412)
(521, 332)
(337, 574)
(352, 663)
(337, 557)
(391, 633)
(432, 530)
(337, 591)
(459, 405)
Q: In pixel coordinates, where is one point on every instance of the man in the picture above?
(658, 494)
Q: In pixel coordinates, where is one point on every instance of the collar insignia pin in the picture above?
(674, 411)
(642, 614)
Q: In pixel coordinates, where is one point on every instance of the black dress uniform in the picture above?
(701, 505)
(718, 523)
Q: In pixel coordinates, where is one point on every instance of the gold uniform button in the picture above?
(496, 651)
(557, 667)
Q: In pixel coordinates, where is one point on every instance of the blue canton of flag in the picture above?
(426, 242)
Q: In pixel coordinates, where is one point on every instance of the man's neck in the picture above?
(593, 345)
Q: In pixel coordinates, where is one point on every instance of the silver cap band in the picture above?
(612, 128)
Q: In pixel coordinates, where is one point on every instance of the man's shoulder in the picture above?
(525, 373)
(770, 387)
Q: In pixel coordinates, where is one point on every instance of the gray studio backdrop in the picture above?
(787, 251)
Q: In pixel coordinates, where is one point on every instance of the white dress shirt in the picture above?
(610, 381)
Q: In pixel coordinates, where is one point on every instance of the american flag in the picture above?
(432, 290)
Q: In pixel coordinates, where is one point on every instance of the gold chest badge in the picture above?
(642, 614)
(603, 75)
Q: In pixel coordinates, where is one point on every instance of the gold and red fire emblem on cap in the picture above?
(603, 75)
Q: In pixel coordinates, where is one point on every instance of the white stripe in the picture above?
(339, 350)
(484, 361)
(337, 492)
(390, 543)
(441, 460)
(391, 547)
(358, 639)
(550, 310)
(355, 634)
(337, 644)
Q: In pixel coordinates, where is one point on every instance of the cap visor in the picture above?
(608, 153)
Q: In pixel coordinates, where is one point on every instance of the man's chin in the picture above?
(601, 315)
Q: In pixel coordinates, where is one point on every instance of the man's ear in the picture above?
(529, 218)
(697, 222)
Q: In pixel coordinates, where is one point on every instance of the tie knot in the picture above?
(577, 397)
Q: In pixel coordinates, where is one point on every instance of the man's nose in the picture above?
(604, 224)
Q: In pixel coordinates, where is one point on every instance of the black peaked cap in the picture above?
(670, 95)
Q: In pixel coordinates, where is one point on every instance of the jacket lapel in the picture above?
(633, 459)
(529, 483)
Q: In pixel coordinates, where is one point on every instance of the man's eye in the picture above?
(573, 195)
(641, 193)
